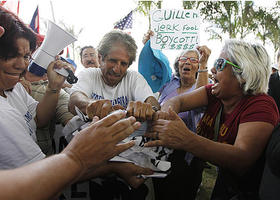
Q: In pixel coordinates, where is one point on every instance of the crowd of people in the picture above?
(230, 121)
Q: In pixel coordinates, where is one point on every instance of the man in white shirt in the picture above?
(101, 90)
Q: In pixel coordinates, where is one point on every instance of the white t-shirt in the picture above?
(18, 129)
(132, 87)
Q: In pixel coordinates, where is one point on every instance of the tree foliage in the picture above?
(268, 22)
(145, 7)
(236, 19)
(227, 17)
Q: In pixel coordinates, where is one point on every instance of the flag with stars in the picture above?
(125, 23)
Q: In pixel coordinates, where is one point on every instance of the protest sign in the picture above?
(175, 29)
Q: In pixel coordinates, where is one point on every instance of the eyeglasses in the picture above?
(221, 63)
(185, 59)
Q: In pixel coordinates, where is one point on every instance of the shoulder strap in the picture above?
(217, 124)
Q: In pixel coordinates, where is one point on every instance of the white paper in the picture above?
(149, 157)
(175, 29)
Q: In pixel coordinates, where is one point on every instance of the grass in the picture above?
(208, 182)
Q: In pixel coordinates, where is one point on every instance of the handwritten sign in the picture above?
(175, 29)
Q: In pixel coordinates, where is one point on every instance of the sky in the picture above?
(97, 17)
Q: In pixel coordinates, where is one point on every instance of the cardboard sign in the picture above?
(175, 29)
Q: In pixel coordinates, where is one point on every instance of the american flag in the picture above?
(125, 23)
(34, 24)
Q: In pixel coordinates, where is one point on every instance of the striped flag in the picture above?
(125, 23)
(34, 24)
(67, 53)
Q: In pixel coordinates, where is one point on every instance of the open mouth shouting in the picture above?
(186, 69)
(215, 87)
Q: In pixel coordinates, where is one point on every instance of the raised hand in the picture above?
(56, 81)
(204, 52)
(99, 142)
(147, 36)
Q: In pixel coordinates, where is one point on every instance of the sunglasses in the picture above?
(185, 59)
(221, 63)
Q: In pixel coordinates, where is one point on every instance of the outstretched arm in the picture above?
(189, 101)
(86, 151)
(40, 180)
(250, 142)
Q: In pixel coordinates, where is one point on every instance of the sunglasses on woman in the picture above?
(221, 63)
(185, 59)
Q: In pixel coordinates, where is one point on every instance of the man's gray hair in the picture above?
(114, 37)
(254, 62)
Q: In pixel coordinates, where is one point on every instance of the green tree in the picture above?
(225, 17)
(190, 4)
(268, 23)
(228, 17)
(145, 7)
(274, 35)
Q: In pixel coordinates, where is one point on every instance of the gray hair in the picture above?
(176, 63)
(120, 37)
(254, 62)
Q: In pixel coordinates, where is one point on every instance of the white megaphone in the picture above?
(55, 41)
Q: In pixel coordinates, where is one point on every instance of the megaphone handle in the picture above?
(71, 78)
(62, 72)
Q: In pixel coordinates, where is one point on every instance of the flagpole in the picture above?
(18, 8)
(52, 11)
(149, 21)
